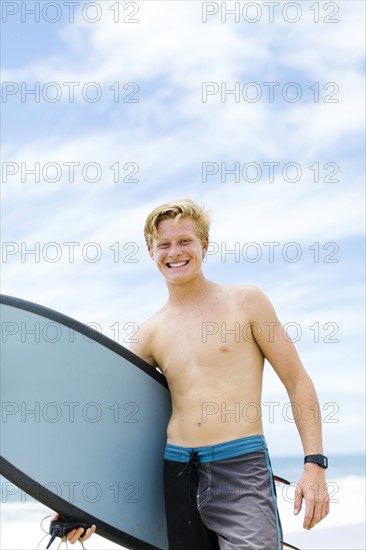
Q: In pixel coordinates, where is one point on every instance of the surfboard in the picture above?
(83, 424)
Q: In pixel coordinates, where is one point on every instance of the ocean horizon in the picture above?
(287, 467)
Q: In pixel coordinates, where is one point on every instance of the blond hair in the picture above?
(181, 208)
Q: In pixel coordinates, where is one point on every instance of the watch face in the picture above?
(324, 462)
(321, 460)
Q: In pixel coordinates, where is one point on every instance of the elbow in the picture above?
(300, 383)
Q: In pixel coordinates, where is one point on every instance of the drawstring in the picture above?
(193, 463)
(192, 467)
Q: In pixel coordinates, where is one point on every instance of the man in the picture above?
(210, 342)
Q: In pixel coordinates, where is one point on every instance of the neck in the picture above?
(189, 293)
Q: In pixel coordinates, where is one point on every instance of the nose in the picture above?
(175, 250)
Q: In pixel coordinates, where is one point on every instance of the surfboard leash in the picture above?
(284, 545)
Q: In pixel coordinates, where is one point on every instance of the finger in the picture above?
(74, 535)
(298, 500)
(327, 508)
(69, 535)
(321, 510)
(309, 512)
(317, 515)
(55, 516)
(79, 533)
(89, 533)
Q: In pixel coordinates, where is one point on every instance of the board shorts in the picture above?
(221, 497)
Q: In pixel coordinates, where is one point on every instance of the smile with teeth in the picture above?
(177, 264)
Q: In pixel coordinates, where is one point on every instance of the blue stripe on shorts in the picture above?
(221, 451)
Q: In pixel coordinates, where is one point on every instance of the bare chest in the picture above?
(204, 338)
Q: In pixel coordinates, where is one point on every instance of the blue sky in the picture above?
(159, 132)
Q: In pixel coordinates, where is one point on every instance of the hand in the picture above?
(75, 534)
(313, 488)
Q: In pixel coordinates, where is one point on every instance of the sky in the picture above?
(253, 109)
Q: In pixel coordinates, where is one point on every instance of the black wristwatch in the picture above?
(320, 460)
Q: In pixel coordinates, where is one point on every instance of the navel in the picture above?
(224, 348)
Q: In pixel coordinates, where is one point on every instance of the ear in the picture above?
(150, 251)
(204, 248)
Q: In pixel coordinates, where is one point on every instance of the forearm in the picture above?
(312, 485)
(306, 412)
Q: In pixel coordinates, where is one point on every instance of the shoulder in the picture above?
(248, 293)
(254, 300)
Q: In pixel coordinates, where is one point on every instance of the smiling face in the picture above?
(177, 251)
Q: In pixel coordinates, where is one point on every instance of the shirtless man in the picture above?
(210, 342)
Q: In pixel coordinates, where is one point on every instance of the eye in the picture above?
(185, 241)
(163, 245)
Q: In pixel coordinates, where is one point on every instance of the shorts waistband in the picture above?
(221, 451)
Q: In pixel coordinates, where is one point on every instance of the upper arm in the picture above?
(273, 340)
(142, 345)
